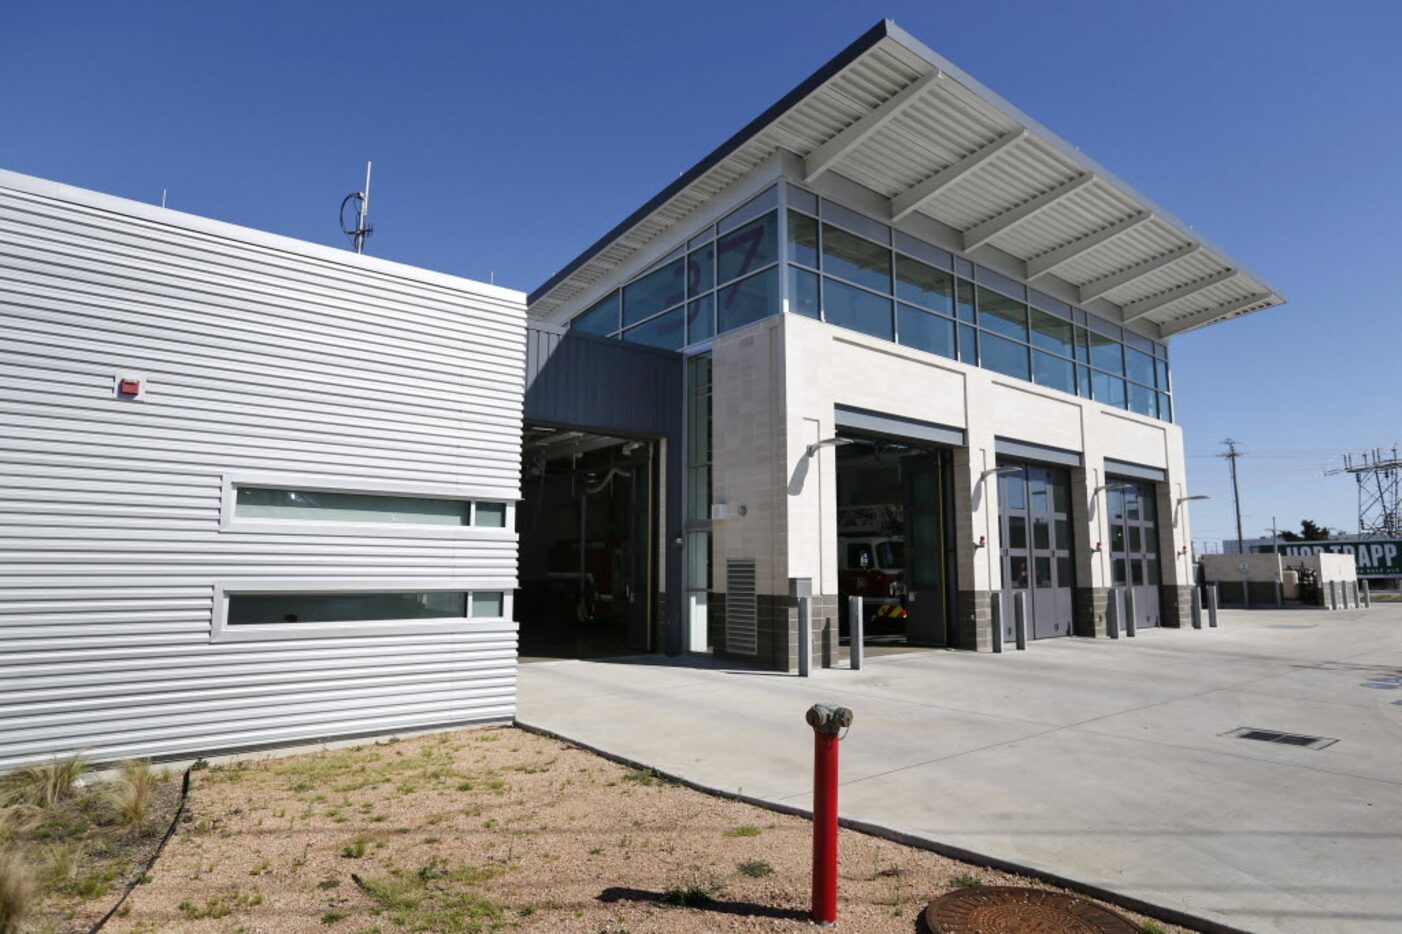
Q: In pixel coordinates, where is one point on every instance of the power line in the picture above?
(1377, 473)
(1231, 455)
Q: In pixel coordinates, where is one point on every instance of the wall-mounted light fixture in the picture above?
(997, 470)
(825, 443)
(1110, 486)
(1179, 505)
(982, 541)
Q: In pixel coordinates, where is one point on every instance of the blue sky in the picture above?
(507, 137)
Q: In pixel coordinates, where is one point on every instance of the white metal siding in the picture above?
(263, 357)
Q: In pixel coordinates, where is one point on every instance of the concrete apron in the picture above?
(1098, 765)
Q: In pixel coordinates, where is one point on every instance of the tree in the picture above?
(1310, 531)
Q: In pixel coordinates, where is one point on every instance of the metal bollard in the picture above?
(1197, 607)
(856, 622)
(1020, 618)
(827, 723)
(1112, 613)
(1212, 606)
(1357, 601)
(805, 637)
(1331, 599)
(1131, 613)
(1279, 594)
(1367, 593)
(995, 613)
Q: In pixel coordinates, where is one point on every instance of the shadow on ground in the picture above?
(700, 902)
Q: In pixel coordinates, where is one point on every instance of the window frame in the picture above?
(221, 631)
(789, 200)
(231, 522)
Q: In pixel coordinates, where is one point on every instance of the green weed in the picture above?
(755, 868)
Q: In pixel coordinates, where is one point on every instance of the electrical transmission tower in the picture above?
(1377, 473)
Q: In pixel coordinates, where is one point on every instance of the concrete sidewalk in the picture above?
(1101, 761)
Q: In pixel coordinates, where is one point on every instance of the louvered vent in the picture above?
(741, 617)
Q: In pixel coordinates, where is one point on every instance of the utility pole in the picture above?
(1231, 456)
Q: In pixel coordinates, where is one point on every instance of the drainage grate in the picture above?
(1285, 739)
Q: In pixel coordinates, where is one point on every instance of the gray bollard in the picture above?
(1279, 594)
(1131, 613)
(805, 636)
(1357, 601)
(1367, 593)
(1020, 618)
(1197, 607)
(1212, 606)
(1112, 613)
(1333, 597)
(856, 623)
(995, 612)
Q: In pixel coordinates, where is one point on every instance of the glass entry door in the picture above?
(1134, 545)
(1035, 516)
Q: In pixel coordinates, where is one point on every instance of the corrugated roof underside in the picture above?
(1030, 199)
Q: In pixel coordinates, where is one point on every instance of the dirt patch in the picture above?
(81, 853)
(502, 829)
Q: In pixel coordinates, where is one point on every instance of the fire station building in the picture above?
(893, 339)
(921, 348)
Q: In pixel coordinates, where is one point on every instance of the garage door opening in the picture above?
(588, 550)
(893, 541)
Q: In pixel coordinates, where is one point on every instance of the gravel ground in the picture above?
(500, 829)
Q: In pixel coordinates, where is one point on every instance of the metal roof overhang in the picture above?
(891, 115)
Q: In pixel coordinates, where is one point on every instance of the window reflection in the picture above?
(850, 280)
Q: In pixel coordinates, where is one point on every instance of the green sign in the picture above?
(1374, 557)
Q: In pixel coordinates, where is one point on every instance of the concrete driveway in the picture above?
(1102, 761)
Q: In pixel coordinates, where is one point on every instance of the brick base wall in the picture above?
(973, 620)
(777, 632)
(1092, 609)
(1176, 606)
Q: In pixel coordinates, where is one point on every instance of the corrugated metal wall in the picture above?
(611, 387)
(260, 355)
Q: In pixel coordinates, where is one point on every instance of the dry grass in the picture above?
(43, 785)
(489, 830)
(19, 893)
(66, 849)
(131, 793)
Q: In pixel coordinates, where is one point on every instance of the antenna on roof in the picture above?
(163, 197)
(362, 227)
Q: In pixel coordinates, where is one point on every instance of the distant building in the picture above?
(1375, 557)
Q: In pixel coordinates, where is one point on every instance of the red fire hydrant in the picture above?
(827, 723)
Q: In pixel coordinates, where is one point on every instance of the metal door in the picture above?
(1134, 546)
(1034, 505)
(925, 551)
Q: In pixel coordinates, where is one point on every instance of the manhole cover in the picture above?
(999, 909)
